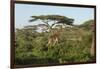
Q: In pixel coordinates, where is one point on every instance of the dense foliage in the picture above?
(73, 46)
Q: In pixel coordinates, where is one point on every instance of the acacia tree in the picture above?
(54, 19)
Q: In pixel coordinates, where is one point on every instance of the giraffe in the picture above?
(54, 37)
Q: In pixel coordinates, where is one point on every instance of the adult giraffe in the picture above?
(55, 36)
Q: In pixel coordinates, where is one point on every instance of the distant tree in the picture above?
(88, 25)
(31, 28)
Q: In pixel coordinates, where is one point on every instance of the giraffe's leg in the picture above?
(50, 42)
(55, 41)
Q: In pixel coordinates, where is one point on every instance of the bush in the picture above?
(31, 48)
